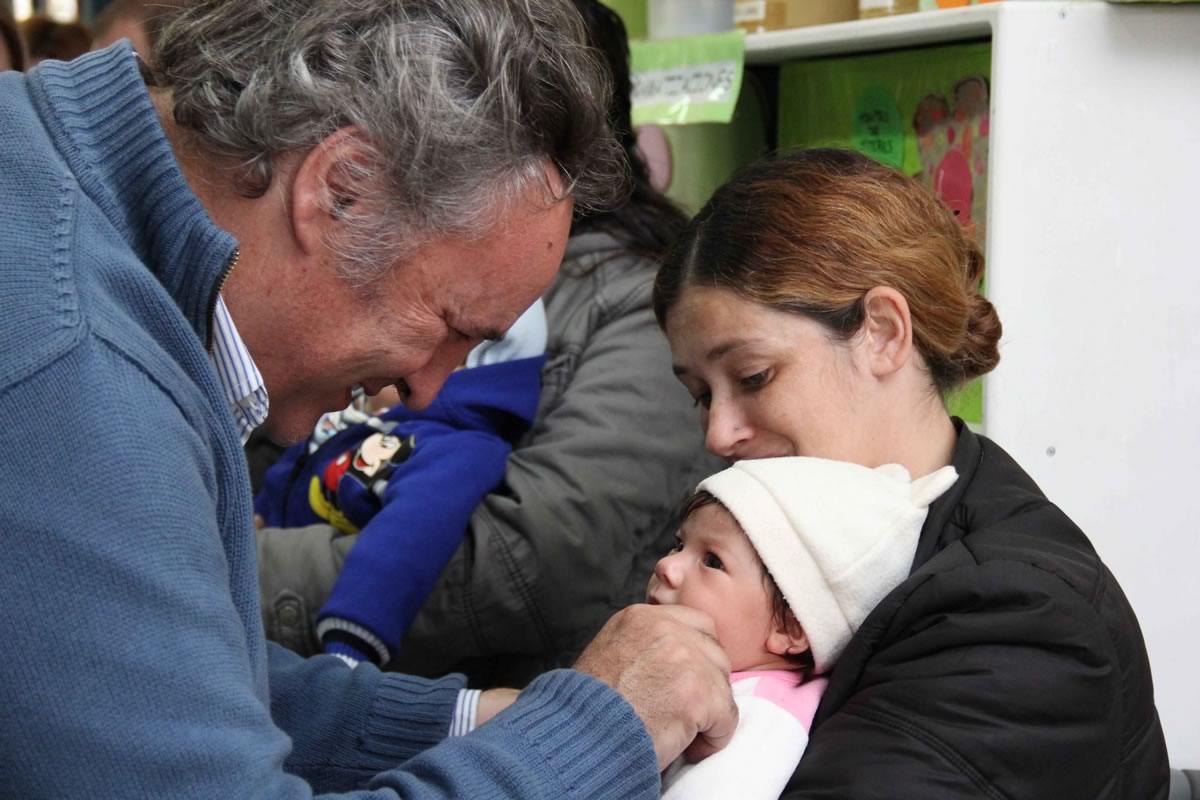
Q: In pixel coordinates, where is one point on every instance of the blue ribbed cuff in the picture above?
(351, 655)
(342, 637)
(589, 736)
(410, 715)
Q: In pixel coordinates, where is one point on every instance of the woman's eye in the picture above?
(756, 381)
(712, 562)
(703, 399)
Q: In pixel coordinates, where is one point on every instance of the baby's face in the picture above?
(713, 568)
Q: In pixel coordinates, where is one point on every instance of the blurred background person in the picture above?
(139, 21)
(48, 38)
(12, 49)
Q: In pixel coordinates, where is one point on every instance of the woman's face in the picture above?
(768, 383)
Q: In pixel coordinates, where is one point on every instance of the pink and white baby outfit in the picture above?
(775, 712)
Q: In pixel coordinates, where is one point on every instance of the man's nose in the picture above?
(419, 388)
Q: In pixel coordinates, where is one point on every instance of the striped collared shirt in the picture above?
(240, 380)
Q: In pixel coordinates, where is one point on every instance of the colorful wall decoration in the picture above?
(925, 112)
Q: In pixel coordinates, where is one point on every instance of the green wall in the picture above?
(633, 14)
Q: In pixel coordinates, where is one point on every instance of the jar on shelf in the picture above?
(757, 16)
(670, 18)
(883, 8)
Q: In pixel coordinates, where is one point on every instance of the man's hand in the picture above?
(666, 662)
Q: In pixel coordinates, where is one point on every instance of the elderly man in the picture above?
(302, 196)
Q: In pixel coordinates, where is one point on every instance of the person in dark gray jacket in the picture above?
(590, 496)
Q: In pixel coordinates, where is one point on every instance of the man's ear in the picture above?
(887, 331)
(788, 640)
(325, 187)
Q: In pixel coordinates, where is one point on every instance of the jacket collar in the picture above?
(937, 532)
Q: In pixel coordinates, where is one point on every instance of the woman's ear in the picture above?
(887, 330)
(787, 640)
(325, 187)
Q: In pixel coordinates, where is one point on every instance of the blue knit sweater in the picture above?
(134, 660)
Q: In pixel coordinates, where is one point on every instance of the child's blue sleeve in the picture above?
(403, 550)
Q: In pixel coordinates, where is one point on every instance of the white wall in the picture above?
(1094, 230)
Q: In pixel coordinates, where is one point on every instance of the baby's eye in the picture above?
(712, 562)
(677, 546)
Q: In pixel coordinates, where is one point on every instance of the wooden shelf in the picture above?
(884, 33)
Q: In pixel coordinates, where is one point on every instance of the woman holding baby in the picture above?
(823, 305)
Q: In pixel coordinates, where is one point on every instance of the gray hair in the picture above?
(460, 103)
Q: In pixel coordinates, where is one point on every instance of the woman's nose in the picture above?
(724, 431)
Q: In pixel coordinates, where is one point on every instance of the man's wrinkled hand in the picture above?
(665, 661)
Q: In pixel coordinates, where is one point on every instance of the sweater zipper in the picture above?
(216, 295)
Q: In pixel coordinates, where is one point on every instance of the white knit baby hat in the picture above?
(836, 537)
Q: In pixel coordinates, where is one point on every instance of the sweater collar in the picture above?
(99, 114)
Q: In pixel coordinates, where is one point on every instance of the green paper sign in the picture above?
(877, 131)
(687, 80)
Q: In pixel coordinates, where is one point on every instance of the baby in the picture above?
(788, 556)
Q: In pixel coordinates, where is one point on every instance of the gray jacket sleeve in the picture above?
(297, 568)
